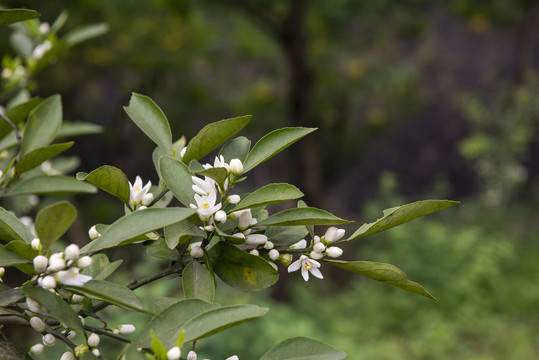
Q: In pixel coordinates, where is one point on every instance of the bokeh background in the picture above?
(412, 99)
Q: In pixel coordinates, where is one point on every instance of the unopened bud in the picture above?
(37, 324)
(334, 252)
(36, 244)
(220, 216)
(56, 263)
(84, 262)
(72, 252)
(286, 259)
(268, 245)
(93, 340)
(93, 233)
(234, 199)
(96, 352)
(40, 263)
(302, 244)
(48, 340)
(174, 353)
(192, 355)
(316, 255)
(273, 266)
(126, 329)
(36, 349)
(319, 247)
(236, 167)
(67, 356)
(33, 305)
(2, 271)
(48, 282)
(147, 199)
(71, 334)
(254, 252)
(256, 239)
(234, 357)
(182, 152)
(77, 299)
(197, 252)
(274, 254)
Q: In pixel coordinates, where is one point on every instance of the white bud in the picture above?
(334, 252)
(239, 236)
(234, 357)
(220, 216)
(37, 324)
(33, 305)
(72, 252)
(71, 335)
(142, 207)
(234, 199)
(236, 167)
(316, 255)
(268, 245)
(147, 199)
(209, 228)
(174, 353)
(254, 252)
(333, 234)
(82, 320)
(67, 356)
(40, 263)
(302, 244)
(319, 247)
(197, 252)
(192, 355)
(56, 263)
(256, 239)
(84, 262)
(48, 340)
(274, 254)
(44, 28)
(126, 329)
(36, 244)
(316, 239)
(93, 340)
(93, 233)
(96, 352)
(182, 152)
(37, 349)
(48, 282)
(77, 299)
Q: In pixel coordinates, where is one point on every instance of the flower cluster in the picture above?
(139, 195)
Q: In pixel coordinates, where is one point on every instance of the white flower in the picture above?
(269, 245)
(37, 324)
(196, 250)
(84, 262)
(316, 255)
(219, 162)
(316, 239)
(192, 355)
(334, 252)
(72, 277)
(333, 234)
(56, 262)
(72, 252)
(44, 27)
(40, 263)
(36, 349)
(147, 199)
(203, 187)
(236, 167)
(36, 244)
(93, 233)
(67, 356)
(220, 216)
(48, 340)
(256, 239)
(93, 340)
(174, 353)
(274, 254)
(77, 299)
(302, 244)
(137, 191)
(48, 282)
(245, 218)
(206, 205)
(239, 236)
(319, 247)
(126, 329)
(306, 265)
(234, 199)
(33, 305)
(234, 357)
(42, 49)
(96, 352)
(254, 252)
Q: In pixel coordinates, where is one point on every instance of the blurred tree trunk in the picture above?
(527, 37)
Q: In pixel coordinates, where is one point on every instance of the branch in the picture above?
(17, 134)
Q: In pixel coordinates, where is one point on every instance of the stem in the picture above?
(17, 134)
(106, 333)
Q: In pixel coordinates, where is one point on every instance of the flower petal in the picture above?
(316, 272)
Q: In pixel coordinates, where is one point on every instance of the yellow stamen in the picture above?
(205, 205)
(307, 265)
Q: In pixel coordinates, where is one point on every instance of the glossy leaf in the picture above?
(212, 136)
(219, 319)
(237, 148)
(269, 194)
(151, 120)
(286, 235)
(197, 282)
(9, 258)
(110, 179)
(78, 128)
(401, 214)
(17, 114)
(178, 179)
(385, 273)
(181, 232)
(43, 123)
(51, 185)
(54, 305)
(110, 292)
(84, 33)
(273, 143)
(37, 156)
(302, 216)
(135, 224)
(159, 249)
(240, 269)
(53, 221)
(11, 228)
(300, 348)
(107, 270)
(12, 16)
(9, 296)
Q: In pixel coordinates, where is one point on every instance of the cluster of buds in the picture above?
(139, 195)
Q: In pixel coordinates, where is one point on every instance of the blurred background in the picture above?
(412, 99)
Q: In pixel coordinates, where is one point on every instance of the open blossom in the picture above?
(245, 218)
(137, 191)
(206, 205)
(307, 266)
(203, 187)
(72, 277)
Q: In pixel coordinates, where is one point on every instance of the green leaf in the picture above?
(17, 114)
(178, 179)
(302, 216)
(11, 228)
(12, 16)
(217, 174)
(10, 296)
(8, 258)
(385, 273)
(108, 269)
(273, 143)
(110, 179)
(219, 319)
(37, 156)
(269, 194)
(237, 148)
(53, 221)
(181, 232)
(43, 123)
(151, 120)
(197, 282)
(78, 128)
(159, 249)
(110, 292)
(158, 348)
(285, 235)
(240, 269)
(300, 348)
(169, 322)
(50, 185)
(212, 136)
(84, 33)
(55, 306)
(401, 214)
(135, 224)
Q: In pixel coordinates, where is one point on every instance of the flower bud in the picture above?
(142, 207)
(93, 340)
(126, 329)
(192, 355)
(48, 340)
(182, 152)
(82, 320)
(319, 247)
(254, 252)
(56, 263)
(236, 167)
(302, 244)
(71, 334)
(286, 259)
(333, 234)
(334, 252)
(84, 262)
(174, 353)
(48, 282)
(256, 239)
(77, 299)
(33, 305)
(36, 244)
(36, 349)
(234, 357)
(40, 263)
(72, 252)
(147, 199)
(2, 272)
(96, 352)
(268, 245)
(220, 216)
(80, 350)
(67, 356)
(93, 233)
(239, 236)
(37, 324)
(316, 239)
(274, 254)
(316, 255)
(197, 252)
(234, 199)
